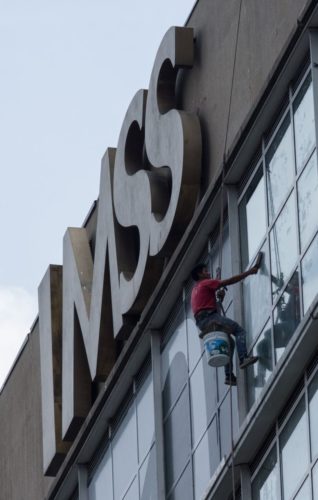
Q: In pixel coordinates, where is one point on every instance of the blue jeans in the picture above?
(208, 319)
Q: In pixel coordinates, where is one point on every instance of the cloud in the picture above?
(18, 309)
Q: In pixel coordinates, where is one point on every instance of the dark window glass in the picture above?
(286, 315)
(304, 122)
(205, 460)
(102, 481)
(266, 483)
(252, 213)
(308, 201)
(174, 363)
(284, 244)
(177, 437)
(259, 373)
(309, 268)
(294, 439)
(313, 413)
(184, 488)
(225, 421)
(147, 477)
(257, 300)
(279, 167)
(203, 394)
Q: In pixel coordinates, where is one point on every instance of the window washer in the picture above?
(204, 307)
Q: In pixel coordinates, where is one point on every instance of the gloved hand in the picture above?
(220, 294)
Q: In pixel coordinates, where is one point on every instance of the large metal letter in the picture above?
(173, 139)
(91, 306)
(50, 324)
(133, 204)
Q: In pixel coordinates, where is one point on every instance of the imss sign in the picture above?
(148, 190)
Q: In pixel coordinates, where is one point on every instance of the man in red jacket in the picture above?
(204, 307)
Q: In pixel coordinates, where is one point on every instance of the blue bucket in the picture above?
(217, 348)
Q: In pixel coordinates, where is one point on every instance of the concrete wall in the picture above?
(21, 476)
(264, 31)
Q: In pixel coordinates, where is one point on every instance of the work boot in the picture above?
(230, 379)
(249, 360)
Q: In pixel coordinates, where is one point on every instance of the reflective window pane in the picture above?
(177, 437)
(286, 315)
(203, 397)
(195, 344)
(226, 262)
(304, 122)
(147, 477)
(145, 417)
(279, 167)
(125, 453)
(309, 270)
(304, 492)
(313, 413)
(294, 437)
(308, 201)
(315, 481)
(205, 460)
(184, 487)
(132, 493)
(284, 247)
(257, 300)
(259, 373)
(266, 484)
(252, 214)
(101, 485)
(225, 421)
(174, 363)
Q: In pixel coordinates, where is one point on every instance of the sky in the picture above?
(68, 71)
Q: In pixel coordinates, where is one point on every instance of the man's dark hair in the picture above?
(198, 270)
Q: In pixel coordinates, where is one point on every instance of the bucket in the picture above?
(217, 348)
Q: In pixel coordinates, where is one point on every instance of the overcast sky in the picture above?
(68, 71)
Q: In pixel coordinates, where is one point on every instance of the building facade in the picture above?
(156, 421)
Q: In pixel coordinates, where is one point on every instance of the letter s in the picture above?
(173, 142)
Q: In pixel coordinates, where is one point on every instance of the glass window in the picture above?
(203, 396)
(309, 269)
(184, 488)
(279, 167)
(145, 417)
(315, 481)
(205, 460)
(252, 214)
(286, 315)
(177, 437)
(101, 485)
(304, 122)
(174, 364)
(257, 302)
(132, 493)
(225, 421)
(284, 247)
(125, 453)
(195, 344)
(308, 201)
(147, 478)
(313, 412)
(266, 484)
(259, 373)
(304, 492)
(226, 262)
(294, 437)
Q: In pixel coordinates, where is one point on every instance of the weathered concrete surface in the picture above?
(265, 29)
(21, 468)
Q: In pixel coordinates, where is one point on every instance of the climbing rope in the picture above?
(221, 229)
